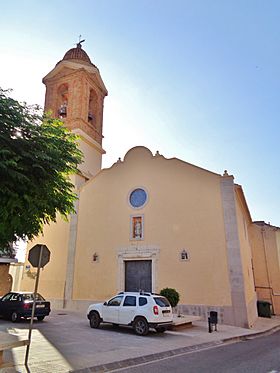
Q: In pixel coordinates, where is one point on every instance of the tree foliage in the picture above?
(37, 156)
(172, 295)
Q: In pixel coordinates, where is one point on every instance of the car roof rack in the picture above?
(141, 292)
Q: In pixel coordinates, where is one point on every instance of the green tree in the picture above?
(37, 156)
(172, 295)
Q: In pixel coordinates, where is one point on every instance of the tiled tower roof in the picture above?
(77, 54)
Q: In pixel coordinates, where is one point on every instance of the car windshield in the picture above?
(162, 302)
(30, 297)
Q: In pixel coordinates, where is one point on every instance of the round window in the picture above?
(138, 198)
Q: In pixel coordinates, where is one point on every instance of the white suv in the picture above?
(139, 310)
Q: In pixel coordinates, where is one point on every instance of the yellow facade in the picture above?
(52, 278)
(169, 226)
(266, 263)
(193, 229)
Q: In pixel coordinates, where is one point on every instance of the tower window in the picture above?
(92, 106)
(62, 111)
(62, 100)
(91, 117)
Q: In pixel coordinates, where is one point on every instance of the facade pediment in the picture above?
(64, 68)
(138, 152)
(141, 155)
(61, 73)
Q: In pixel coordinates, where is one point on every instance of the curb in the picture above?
(247, 337)
(170, 353)
(146, 358)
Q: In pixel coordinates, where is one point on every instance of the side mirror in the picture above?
(105, 304)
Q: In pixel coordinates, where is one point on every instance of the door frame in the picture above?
(137, 253)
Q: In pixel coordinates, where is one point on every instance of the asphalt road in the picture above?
(64, 342)
(259, 355)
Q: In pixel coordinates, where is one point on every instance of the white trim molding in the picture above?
(139, 252)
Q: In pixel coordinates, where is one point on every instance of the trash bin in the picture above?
(214, 317)
(212, 321)
(264, 308)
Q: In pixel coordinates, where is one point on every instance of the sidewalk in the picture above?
(66, 343)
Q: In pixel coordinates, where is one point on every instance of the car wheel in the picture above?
(160, 329)
(40, 318)
(15, 317)
(140, 326)
(94, 320)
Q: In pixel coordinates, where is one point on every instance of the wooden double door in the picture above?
(138, 275)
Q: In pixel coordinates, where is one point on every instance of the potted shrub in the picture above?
(172, 295)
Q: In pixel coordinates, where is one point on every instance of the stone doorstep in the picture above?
(183, 321)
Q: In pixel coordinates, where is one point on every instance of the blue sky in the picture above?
(196, 80)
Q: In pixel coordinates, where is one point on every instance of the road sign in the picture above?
(38, 256)
(34, 255)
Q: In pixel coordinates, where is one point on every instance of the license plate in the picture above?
(40, 306)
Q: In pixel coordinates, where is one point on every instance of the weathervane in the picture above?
(79, 44)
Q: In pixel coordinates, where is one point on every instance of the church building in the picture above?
(145, 223)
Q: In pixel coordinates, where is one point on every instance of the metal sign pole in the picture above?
(33, 307)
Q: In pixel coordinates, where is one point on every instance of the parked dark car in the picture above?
(17, 305)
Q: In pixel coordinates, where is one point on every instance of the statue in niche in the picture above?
(137, 232)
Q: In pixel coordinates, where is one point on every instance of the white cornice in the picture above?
(89, 140)
(90, 69)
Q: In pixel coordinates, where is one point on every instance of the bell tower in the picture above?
(75, 93)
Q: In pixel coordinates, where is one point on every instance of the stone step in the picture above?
(183, 321)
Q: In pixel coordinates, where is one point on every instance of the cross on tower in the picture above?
(79, 44)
